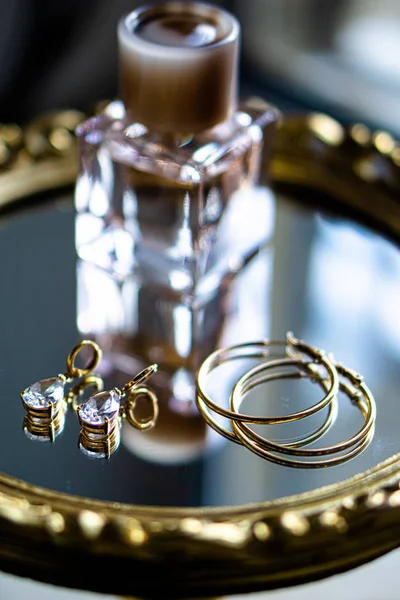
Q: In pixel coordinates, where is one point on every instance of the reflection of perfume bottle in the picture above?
(172, 202)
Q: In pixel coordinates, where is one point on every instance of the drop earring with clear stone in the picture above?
(44, 398)
(99, 415)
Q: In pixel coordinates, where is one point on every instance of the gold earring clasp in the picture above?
(140, 378)
(130, 405)
(74, 372)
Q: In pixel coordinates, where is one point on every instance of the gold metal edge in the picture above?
(267, 544)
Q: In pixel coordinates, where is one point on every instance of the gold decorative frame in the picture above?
(177, 553)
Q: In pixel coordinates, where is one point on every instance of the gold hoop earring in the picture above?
(293, 349)
(353, 386)
(43, 399)
(304, 370)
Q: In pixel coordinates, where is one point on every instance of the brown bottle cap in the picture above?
(179, 66)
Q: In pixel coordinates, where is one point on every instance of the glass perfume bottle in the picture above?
(172, 197)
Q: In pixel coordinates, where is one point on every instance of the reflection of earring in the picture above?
(351, 384)
(102, 448)
(45, 429)
(292, 350)
(43, 399)
(99, 416)
(77, 391)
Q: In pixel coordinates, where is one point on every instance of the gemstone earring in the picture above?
(45, 398)
(94, 448)
(100, 415)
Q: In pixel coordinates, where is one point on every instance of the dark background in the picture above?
(340, 56)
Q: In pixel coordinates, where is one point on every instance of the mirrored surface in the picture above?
(332, 281)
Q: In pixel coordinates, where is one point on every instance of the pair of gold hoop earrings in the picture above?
(100, 415)
(297, 360)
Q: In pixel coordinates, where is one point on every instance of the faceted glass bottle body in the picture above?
(166, 225)
(178, 213)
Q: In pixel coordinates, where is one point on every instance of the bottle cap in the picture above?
(178, 65)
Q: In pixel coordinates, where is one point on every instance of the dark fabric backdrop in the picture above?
(58, 54)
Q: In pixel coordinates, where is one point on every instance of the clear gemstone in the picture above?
(95, 410)
(43, 393)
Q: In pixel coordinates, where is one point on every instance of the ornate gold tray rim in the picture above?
(210, 550)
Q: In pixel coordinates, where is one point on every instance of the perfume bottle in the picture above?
(172, 197)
